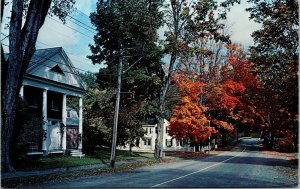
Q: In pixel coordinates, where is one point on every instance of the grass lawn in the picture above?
(62, 161)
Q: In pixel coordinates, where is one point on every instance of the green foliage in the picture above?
(90, 79)
(62, 161)
(132, 24)
(97, 122)
(28, 130)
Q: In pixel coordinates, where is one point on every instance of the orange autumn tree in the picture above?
(221, 96)
(188, 119)
(229, 100)
(240, 82)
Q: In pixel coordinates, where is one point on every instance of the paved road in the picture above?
(244, 166)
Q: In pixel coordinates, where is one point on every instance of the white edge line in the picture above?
(198, 170)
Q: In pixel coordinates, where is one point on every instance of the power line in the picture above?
(87, 29)
(78, 61)
(76, 72)
(54, 62)
(65, 71)
(82, 23)
(58, 32)
(83, 14)
(5, 36)
(70, 27)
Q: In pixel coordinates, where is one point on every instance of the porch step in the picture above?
(56, 152)
(76, 153)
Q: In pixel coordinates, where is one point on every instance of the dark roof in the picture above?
(39, 56)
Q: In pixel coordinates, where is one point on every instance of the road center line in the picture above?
(198, 170)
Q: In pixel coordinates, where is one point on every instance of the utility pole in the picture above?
(114, 137)
(118, 94)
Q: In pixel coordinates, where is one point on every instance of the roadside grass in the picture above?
(30, 180)
(102, 156)
(64, 161)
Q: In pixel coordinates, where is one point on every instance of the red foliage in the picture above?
(234, 88)
(226, 93)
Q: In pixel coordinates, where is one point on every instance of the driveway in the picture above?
(243, 166)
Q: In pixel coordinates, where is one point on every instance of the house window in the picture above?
(168, 142)
(33, 103)
(146, 130)
(57, 70)
(68, 114)
(167, 130)
(150, 130)
(54, 105)
(54, 122)
(147, 142)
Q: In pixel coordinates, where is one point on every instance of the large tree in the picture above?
(178, 16)
(131, 27)
(224, 101)
(275, 53)
(26, 19)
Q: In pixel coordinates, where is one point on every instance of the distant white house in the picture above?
(51, 78)
(148, 141)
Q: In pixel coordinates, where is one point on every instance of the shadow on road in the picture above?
(248, 160)
(250, 147)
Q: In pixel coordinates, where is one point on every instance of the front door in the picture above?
(55, 136)
(72, 137)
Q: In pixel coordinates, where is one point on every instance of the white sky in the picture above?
(241, 26)
(75, 41)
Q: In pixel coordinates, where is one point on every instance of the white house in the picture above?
(51, 78)
(148, 142)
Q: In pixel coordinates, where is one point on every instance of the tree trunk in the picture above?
(224, 143)
(21, 48)
(175, 22)
(272, 140)
(237, 135)
(158, 154)
(295, 137)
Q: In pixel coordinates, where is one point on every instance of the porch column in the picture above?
(164, 135)
(64, 121)
(22, 91)
(174, 142)
(44, 113)
(80, 124)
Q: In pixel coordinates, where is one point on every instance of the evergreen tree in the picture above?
(132, 25)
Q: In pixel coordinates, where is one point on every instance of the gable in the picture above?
(55, 66)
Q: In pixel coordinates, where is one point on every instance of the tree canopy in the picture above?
(130, 25)
(275, 54)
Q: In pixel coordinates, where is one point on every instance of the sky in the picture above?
(76, 35)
